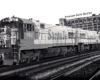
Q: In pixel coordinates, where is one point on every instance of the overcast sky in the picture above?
(47, 11)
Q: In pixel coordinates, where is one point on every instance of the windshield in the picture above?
(10, 24)
(1, 30)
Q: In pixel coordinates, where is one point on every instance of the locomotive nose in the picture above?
(5, 36)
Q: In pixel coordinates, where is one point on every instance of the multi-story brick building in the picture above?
(87, 23)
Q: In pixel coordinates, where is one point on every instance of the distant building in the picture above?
(87, 23)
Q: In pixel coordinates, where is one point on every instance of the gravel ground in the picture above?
(85, 73)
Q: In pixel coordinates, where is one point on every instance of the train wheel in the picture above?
(93, 47)
(82, 48)
(85, 49)
(96, 46)
(68, 53)
(65, 53)
(58, 51)
(1, 63)
(38, 54)
(88, 47)
(41, 56)
(74, 50)
(32, 58)
(70, 50)
(21, 61)
(42, 53)
(15, 63)
(28, 60)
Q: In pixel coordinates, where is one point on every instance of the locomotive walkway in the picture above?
(51, 69)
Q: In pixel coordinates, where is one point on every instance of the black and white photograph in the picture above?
(49, 40)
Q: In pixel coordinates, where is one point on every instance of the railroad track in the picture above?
(41, 62)
(23, 70)
(51, 72)
(73, 69)
(95, 76)
(4, 67)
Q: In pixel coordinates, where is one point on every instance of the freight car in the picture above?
(25, 40)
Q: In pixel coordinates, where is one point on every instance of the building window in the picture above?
(80, 20)
(94, 20)
(76, 21)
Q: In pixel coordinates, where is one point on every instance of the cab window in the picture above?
(29, 27)
(32, 26)
(25, 27)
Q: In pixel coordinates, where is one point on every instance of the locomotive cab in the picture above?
(5, 41)
(12, 31)
(9, 37)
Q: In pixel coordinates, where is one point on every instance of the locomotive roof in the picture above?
(20, 20)
(26, 21)
(23, 20)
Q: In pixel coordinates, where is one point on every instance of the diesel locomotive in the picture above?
(25, 40)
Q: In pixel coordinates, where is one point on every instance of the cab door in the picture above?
(14, 36)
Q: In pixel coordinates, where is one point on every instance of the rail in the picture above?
(95, 76)
(23, 70)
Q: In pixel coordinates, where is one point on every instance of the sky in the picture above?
(47, 11)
